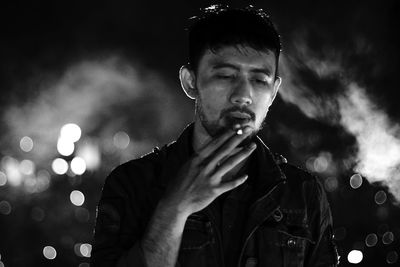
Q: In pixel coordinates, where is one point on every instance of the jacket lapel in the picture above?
(269, 185)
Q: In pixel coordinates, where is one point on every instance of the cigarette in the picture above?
(239, 132)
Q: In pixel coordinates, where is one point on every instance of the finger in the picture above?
(231, 162)
(215, 143)
(224, 151)
(211, 166)
(226, 186)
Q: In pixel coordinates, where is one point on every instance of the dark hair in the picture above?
(219, 25)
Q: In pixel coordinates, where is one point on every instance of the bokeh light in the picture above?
(121, 140)
(27, 167)
(78, 165)
(11, 168)
(321, 163)
(355, 256)
(331, 184)
(59, 166)
(83, 264)
(3, 178)
(392, 257)
(5, 207)
(371, 240)
(49, 252)
(42, 181)
(26, 144)
(85, 250)
(356, 181)
(30, 184)
(77, 198)
(310, 163)
(380, 197)
(71, 132)
(65, 147)
(387, 238)
(90, 153)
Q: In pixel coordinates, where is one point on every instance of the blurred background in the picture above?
(87, 86)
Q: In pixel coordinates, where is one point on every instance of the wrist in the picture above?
(177, 212)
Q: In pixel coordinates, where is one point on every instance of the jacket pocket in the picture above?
(294, 247)
(197, 233)
(285, 242)
(197, 246)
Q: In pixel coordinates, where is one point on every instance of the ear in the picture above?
(277, 84)
(188, 82)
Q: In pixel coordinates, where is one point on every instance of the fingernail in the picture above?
(252, 146)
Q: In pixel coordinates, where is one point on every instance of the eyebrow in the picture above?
(221, 65)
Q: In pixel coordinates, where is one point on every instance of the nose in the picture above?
(242, 93)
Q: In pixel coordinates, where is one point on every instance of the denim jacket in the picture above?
(289, 223)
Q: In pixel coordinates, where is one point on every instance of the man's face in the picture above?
(235, 85)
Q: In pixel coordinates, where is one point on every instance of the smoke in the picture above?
(102, 97)
(378, 139)
(347, 104)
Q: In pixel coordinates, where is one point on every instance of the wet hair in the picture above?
(217, 26)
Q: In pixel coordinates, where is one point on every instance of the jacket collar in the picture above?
(268, 173)
(175, 154)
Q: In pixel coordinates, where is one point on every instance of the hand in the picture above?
(199, 181)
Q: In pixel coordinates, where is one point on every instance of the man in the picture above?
(217, 196)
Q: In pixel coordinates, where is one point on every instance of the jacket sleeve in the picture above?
(324, 252)
(117, 232)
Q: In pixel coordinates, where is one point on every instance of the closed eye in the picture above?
(261, 82)
(224, 77)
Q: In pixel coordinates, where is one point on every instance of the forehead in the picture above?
(241, 56)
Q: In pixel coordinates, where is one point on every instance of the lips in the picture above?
(240, 115)
(240, 120)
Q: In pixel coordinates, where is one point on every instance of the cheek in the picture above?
(213, 106)
(262, 107)
(213, 98)
(210, 105)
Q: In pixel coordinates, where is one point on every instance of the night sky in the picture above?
(47, 37)
(53, 53)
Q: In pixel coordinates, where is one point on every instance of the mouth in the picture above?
(238, 121)
(240, 115)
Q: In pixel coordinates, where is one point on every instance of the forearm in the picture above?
(163, 236)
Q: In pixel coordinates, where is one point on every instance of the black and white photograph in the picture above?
(199, 133)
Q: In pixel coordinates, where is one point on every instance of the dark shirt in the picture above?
(233, 206)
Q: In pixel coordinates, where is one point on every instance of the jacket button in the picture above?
(278, 215)
(291, 242)
(251, 262)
